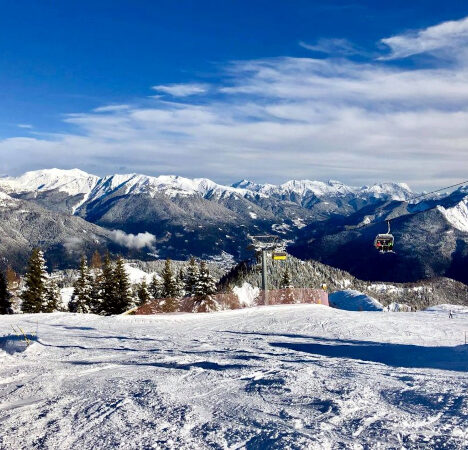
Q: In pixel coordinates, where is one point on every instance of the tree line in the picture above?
(103, 287)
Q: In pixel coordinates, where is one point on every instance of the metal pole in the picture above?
(264, 277)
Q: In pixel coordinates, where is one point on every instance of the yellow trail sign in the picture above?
(279, 256)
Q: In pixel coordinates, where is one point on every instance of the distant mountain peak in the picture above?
(457, 216)
(87, 187)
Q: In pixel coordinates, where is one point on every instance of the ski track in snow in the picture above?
(285, 377)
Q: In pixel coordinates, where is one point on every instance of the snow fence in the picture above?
(231, 300)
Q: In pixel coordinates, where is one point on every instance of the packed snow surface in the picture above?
(283, 377)
(352, 300)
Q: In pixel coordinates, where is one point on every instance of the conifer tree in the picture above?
(5, 304)
(286, 280)
(53, 298)
(180, 284)
(12, 278)
(143, 293)
(97, 281)
(155, 287)
(123, 296)
(286, 296)
(107, 287)
(205, 288)
(96, 261)
(82, 300)
(191, 277)
(34, 294)
(169, 288)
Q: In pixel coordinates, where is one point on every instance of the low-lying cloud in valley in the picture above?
(133, 241)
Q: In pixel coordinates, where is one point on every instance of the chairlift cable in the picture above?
(412, 198)
(384, 242)
(438, 190)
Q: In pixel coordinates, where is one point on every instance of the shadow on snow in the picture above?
(396, 355)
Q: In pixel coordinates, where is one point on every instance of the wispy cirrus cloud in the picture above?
(334, 46)
(111, 108)
(279, 118)
(444, 37)
(181, 89)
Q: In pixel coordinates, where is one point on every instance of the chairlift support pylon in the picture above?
(263, 244)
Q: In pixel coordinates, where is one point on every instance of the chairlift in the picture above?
(384, 242)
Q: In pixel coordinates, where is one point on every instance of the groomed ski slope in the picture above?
(285, 377)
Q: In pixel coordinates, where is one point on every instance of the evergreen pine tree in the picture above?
(96, 260)
(34, 294)
(12, 279)
(107, 288)
(286, 280)
(287, 296)
(180, 284)
(82, 293)
(143, 293)
(5, 304)
(191, 277)
(123, 295)
(205, 288)
(97, 281)
(155, 287)
(169, 288)
(52, 301)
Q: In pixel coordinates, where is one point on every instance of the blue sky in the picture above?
(264, 90)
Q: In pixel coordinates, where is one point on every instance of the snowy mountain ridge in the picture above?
(457, 216)
(393, 191)
(75, 182)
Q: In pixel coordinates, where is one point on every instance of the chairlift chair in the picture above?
(384, 242)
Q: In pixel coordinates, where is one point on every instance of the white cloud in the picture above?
(133, 241)
(24, 125)
(181, 90)
(111, 108)
(445, 36)
(276, 119)
(334, 46)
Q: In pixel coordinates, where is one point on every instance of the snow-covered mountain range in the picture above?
(85, 187)
(320, 220)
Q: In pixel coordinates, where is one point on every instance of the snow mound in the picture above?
(13, 343)
(352, 300)
(398, 307)
(66, 295)
(137, 275)
(246, 294)
(445, 308)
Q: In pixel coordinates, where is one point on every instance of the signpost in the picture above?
(279, 256)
